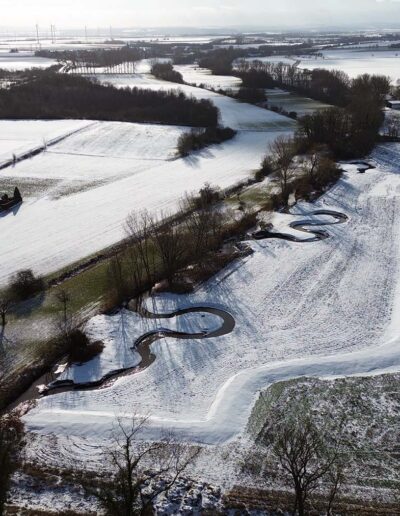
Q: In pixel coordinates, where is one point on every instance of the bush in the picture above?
(208, 196)
(252, 95)
(265, 170)
(198, 139)
(166, 72)
(327, 173)
(80, 349)
(24, 284)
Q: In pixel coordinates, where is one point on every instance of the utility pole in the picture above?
(37, 35)
(52, 31)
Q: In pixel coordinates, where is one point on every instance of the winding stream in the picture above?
(142, 346)
(304, 226)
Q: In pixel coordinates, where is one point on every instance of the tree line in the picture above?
(198, 139)
(166, 72)
(157, 248)
(54, 96)
(220, 60)
(331, 86)
(350, 128)
(350, 131)
(87, 61)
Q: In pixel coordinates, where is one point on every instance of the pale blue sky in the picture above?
(153, 13)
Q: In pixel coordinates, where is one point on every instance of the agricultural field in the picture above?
(26, 136)
(117, 165)
(22, 60)
(352, 62)
(292, 102)
(301, 304)
(359, 337)
(193, 74)
(382, 62)
(279, 297)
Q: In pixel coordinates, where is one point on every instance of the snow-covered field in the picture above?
(22, 136)
(238, 115)
(193, 74)
(44, 234)
(22, 60)
(116, 331)
(82, 189)
(292, 102)
(382, 62)
(352, 62)
(328, 308)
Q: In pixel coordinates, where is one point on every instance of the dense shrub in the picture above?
(267, 166)
(80, 349)
(349, 133)
(208, 195)
(252, 95)
(219, 61)
(24, 284)
(255, 78)
(56, 96)
(198, 139)
(166, 72)
(326, 173)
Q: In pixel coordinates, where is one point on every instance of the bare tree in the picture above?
(308, 455)
(283, 150)
(170, 245)
(336, 477)
(11, 433)
(197, 227)
(139, 229)
(116, 277)
(310, 165)
(138, 472)
(64, 298)
(5, 305)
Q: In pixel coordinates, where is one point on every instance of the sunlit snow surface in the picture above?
(22, 60)
(353, 62)
(79, 192)
(327, 308)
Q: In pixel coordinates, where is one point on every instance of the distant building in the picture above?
(394, 104)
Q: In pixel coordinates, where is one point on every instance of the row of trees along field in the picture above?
(220, 60)
(158, 248)
(55, 96)
(350, 128)
(118, 60)
(331, 86)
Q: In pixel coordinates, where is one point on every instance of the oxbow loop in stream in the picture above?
(142, 346)
(304, 226)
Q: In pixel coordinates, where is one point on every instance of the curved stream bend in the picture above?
(303, 225)
(143, 343)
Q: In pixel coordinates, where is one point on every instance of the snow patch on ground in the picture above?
(119, 333)
(300, 309)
